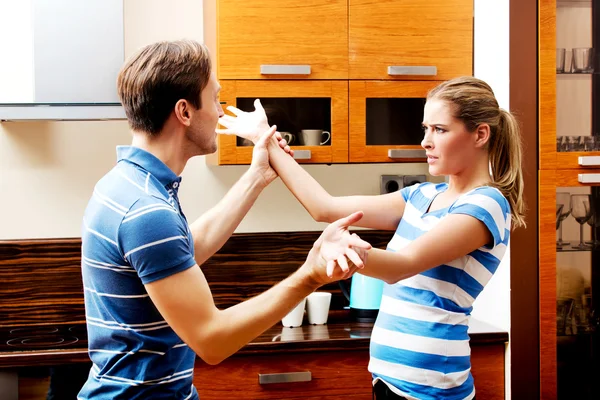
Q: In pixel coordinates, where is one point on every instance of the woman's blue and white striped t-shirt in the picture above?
(419, 344)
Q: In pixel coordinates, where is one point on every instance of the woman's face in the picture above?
(449, 146)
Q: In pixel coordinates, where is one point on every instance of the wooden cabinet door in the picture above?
(372, 138)
(288, 33)
(404, 34)
(315, 104)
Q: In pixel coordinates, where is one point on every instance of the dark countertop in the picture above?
(339, 334)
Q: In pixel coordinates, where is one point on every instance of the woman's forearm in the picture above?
(304, 187)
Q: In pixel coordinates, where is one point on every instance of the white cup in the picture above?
(294, 317)
(312, 137)
(317, 305)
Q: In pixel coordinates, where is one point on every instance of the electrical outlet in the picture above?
(391, 183)
(409, 180)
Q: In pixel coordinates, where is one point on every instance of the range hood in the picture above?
(60, 59)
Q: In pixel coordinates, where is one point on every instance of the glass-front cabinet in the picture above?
(571, 241)
(569, 180)
(311, 115)
(577, 140)
(385, 120)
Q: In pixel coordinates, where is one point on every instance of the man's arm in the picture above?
(185, 301)
(211, 230)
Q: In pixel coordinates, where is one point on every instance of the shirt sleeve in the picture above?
(155, 242)
(489, 206)
(408, 190)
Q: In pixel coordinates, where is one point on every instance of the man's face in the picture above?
(204, 123)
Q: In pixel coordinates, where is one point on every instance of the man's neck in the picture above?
(166, 146)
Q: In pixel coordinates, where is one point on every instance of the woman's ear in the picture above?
(183, 112)
(482, 135)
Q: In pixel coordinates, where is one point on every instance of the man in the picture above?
(149, 309)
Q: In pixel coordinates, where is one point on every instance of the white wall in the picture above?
(492, 65)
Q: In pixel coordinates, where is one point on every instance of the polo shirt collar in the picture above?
(150, 163)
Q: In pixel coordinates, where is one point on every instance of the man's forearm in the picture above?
(211, 230)
(236, 326)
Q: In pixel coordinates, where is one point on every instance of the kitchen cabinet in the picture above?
(293, 106)
(410, 39)
(569, 185)
(333, 374)
(385, 120)
(342, 44)
(270, 39)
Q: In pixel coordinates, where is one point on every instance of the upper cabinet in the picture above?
(350, 75)
(410, 39)
(291, 39)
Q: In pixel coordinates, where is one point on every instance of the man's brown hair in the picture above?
(154, 79)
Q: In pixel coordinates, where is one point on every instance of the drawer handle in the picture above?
(588, 178)
(302, 155)
(589, 161)
(284, 377)
(406, 153)
(267, 69)
(412, 70)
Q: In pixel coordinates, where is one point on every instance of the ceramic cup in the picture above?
(313, 137)
(317, 306)
(294, 317)
(289, 138)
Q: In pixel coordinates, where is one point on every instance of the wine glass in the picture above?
(594, 223)
(563, 199)
(559, 208)
(582, 212)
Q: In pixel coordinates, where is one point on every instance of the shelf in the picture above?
(576, 73)
(573, 3)
(571, 247)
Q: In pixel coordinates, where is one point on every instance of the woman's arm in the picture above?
(455, 236)
(380, 211)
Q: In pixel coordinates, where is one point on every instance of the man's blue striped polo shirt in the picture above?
(134, 233)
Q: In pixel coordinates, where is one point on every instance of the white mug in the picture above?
(312, 137)
(294, 317)
(317, 307)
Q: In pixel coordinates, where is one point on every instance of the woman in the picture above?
(449, 240)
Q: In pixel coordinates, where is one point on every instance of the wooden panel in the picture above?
(410, 33)
(547, 84)
(337, 152)
(359, 92)
(313, 32)
(547, 285)
(249, 264)
(41, 282)
(487, 367)
(42, 278)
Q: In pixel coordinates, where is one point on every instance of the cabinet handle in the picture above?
(266, 69)
(589, 161)
(412, 70)
(588, 178)
(302, 155)
(406, 153)
(284, 377)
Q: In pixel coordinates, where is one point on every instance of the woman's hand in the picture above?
(248, 125)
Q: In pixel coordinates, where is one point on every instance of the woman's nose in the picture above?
(426, 142)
